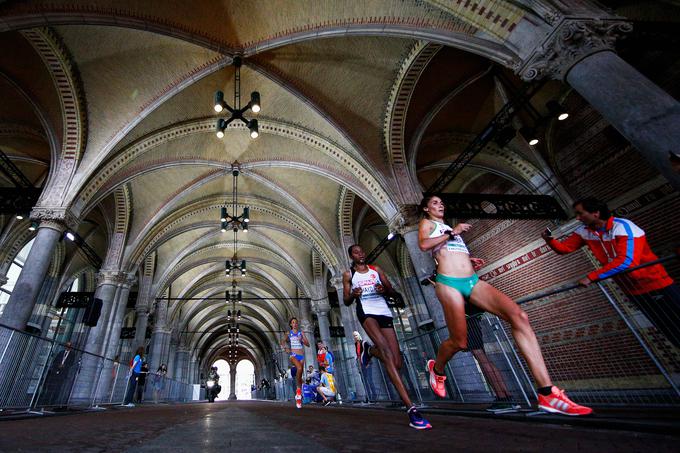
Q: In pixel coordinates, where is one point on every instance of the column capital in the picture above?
(305, 325)
(321, 307)
(570, 41)
(130, 280)
(336, 281)
(111, 277)
(57, 218)
(405, 220)
(165, 330)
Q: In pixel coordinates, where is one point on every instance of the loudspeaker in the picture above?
(92, 312)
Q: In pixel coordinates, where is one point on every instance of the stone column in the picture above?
(40, 316)
(193, 367)
(423, 265)
(115, 327)
(141, 322)
(160, 336)
(579, 52)
(168, 354)
(116, 324)
(182, 364)
(306, 327)
(232, 382)
(322, 308)
(350, 323)
(25, 293)
(95, 342)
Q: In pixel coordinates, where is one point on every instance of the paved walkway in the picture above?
(267, 426)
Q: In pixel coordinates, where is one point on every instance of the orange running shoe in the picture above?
(436, 381)
(298, 399)
(558, 402)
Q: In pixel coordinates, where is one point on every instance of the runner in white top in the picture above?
(366, 286)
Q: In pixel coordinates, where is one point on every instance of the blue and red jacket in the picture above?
(618, 246)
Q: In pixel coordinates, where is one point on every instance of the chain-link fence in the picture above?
(38, 374)
(605, 343)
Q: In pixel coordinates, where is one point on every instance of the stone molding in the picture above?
(570, 42)
(130, 280)
(57, 218)
(321, 307)
(111, 277)
(405, 221)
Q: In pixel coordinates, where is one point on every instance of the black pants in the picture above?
(662, 308)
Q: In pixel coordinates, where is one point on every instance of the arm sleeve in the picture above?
(572, 243)
(625, 257)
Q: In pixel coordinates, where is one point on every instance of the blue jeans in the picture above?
(131, 386)
(367, 373)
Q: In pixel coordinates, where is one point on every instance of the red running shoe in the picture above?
(298, 399)
(558, 403)
(436, 381)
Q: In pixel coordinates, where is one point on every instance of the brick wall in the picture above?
(585, 342)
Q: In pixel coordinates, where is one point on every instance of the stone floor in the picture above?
(270, 426)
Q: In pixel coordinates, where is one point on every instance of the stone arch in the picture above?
(322, 242)
(394, 123)
(72, 102)
(350, 160)
(19, 235)
(455, 24)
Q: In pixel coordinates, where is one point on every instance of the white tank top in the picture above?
(455, 244)
(295, 339)
(371, 302)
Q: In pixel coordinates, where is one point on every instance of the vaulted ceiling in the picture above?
(347, 89)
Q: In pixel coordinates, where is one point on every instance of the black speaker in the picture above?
(92, 312)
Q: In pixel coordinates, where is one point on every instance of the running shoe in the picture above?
(298, 399)
(365, 354)
(327, 402)
(436, 381)
(558, 403)
(416, 420)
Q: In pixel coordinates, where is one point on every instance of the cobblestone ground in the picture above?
(268, 426)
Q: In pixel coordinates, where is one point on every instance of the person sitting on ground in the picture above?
(314, 376)
(327, 388)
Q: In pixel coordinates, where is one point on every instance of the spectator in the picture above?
(135, 371)
(57, 378)
(619, 244)
(141, 382)
(313, 375)
(327, 387)
(364, 360)
(324, 357)
(159, 381)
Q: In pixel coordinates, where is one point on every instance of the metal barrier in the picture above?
(37, 374)
(609, 347)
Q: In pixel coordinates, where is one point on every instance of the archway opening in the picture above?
(245, 379)
(223, 370)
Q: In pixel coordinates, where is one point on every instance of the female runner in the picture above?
(296, 339)
(366, 285)
(456, 284)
